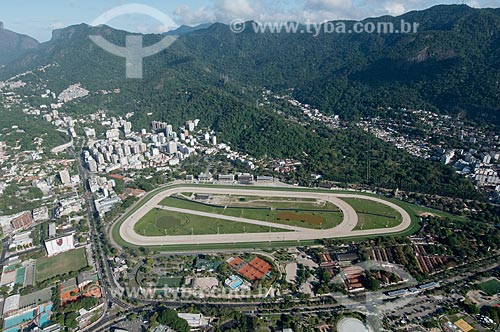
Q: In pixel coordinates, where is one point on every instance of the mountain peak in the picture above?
(13, 45)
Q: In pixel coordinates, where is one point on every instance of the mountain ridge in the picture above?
(450, 65)
(216, 76)
(13, 45)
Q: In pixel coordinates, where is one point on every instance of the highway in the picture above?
(344, 230)
(107, 282)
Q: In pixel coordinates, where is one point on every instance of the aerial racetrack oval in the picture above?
(189, 224)
(348, 225)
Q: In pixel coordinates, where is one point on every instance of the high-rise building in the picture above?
(127, 128)
(92, 165)
(159, 125)
(65, 177)
(190, 125)
(172, 148)
(169, 130)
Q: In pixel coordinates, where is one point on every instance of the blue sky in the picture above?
(38, 18)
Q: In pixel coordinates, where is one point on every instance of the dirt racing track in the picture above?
(343, 230)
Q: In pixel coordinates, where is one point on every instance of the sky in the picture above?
(38, 18)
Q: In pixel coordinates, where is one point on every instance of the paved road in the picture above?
(345, 229)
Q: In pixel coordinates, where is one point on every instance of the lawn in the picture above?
(374, 215)
(159, 222)
(170, 282)
(490, 287)
(303, 216)
(70, 261)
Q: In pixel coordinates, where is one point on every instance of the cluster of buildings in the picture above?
(240, 178)
(29, 167)
(480, 167)
(427, 263)
(28, 305)
(72, 92)
(105, 197)
(160, 149)
(30, 311)
(73, 203)
(23, 220)
(428, 135)
(307, 111)
(25, 313)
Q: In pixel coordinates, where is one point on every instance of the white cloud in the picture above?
(241, 9)
(320, 10)
(188, 16)
(394, 8)
(473, 3)
(328, 5)
(303, 10)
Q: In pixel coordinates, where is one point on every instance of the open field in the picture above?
(308, 215)
(490, 287)
(125, 234)
(70, 261)
(374, 215)
(169, 282)
(160, 222)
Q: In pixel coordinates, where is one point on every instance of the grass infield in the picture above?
(374, 215)
(301, 214)
(159, 222)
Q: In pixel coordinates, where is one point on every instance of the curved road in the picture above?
(345, 229)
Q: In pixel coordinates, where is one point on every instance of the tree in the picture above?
(170, 318)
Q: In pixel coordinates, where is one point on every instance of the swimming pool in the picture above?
(19, 319)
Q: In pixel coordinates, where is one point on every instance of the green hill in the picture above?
(451, 66)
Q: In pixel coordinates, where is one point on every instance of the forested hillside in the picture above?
(451, 65)
(14, 45)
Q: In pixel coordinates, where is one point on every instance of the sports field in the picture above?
(159, 222)
(374, 215)
(307, 213)
(170, 282)
(70, 261)
(490, 287)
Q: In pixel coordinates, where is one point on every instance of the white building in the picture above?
(41, 214)
(194, 320)
(59, 245)
(11, 304)
(65, 177)
(172, 148)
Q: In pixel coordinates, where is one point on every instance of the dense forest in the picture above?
(450, 66)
